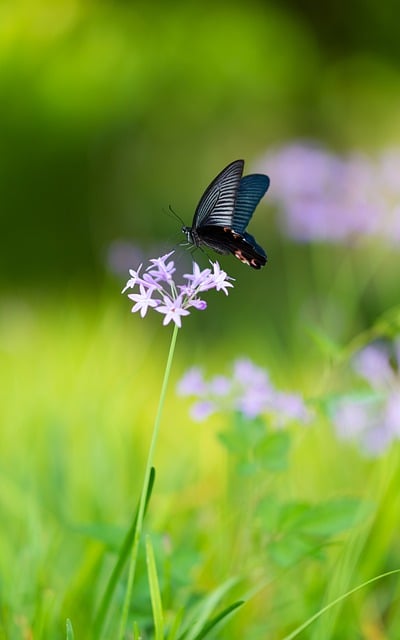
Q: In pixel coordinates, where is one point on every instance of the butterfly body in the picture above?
(224, 211)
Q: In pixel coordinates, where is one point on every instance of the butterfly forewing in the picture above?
(217, 204)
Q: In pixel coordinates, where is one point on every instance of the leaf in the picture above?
(200, 614)
(155, 594)
(291, 515)
(333, 517)
(272, 452)
(292, 548)
(243, 435)
(120, 563)
(218, 618)
(173, 632)
(268, 511)
(70, 631)
(326, 345)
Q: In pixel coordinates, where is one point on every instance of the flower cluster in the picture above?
(372, 419)
(158, 290)
(333, 198)
(248, 390)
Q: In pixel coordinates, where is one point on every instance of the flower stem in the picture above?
(142, 502)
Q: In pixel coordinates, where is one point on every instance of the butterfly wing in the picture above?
(226, 240)
(251, 190)
(217, 204)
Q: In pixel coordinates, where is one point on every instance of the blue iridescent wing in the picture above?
(252, 242)
(217, 204)
(251, 190)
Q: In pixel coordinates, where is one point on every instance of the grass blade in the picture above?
(319, 613)
(155, 594)
(70, 631)
(119, 565)
(201, 614)
(218, 618)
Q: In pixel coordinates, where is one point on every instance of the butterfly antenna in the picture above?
(176, 215)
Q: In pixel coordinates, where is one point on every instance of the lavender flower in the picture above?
(328, 197)
(248, 391)
(158, 290)
(371, 419)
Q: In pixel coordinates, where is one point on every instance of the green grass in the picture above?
(80, 383)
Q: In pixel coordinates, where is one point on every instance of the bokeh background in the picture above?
(112, 111)
(109, 113)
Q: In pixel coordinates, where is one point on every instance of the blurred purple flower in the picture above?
(158, 291)
(248, 391)
(327, 197)
(192, 383)
(372, 419)
(202, 409)
(220, 386)
(121, 254)
(372, 363)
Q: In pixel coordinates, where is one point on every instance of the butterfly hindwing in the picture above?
(225, 240)
(251, 190)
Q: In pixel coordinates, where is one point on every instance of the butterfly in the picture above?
(225, 210)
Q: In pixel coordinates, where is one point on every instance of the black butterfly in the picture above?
(225, 210)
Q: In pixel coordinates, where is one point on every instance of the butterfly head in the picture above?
(188, 231)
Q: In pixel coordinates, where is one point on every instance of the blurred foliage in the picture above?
(111, 111)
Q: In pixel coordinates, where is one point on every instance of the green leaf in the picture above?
(175, 626)
(219, 618)
(292, 514)
(155, 595)
(268, 511)
(326, 345)
(292, 548)
(70, 631)
(200, 614)
(333, 517)
(273, 450)
(120, 563)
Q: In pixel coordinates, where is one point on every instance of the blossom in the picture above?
(192, 383)
(371, 418)
(172, 310)
(143, 300)
(162, 270)
(248, 391)
(159, 291)
(331, 197)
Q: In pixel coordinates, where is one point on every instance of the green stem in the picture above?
(142, 503)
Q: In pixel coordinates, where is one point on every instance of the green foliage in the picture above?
(109, 112)
(254, 448)
(70, 631)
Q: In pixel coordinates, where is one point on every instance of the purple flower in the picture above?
(159, 291)
(221, 279)
(173, 310)
(162, 270)
(372, 363)
(143, 300)
(372, 418)
(202, 410)
(248, 390)
(335, 198)
(192, 383)
(220, 386)
(133, 279)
